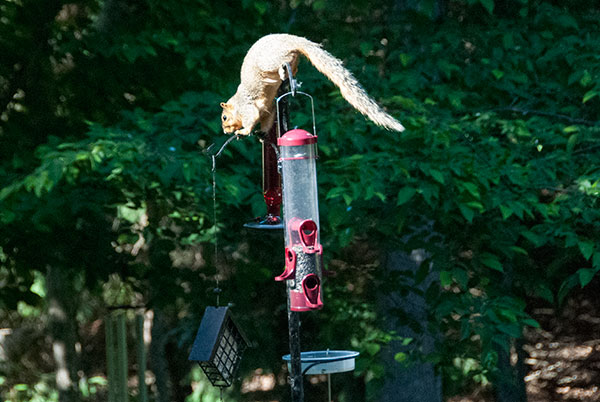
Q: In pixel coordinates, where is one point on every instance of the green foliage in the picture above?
(202, 390)
(104, 167)
(43, 391)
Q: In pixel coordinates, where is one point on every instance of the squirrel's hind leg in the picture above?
(282, 70)
(282, 73)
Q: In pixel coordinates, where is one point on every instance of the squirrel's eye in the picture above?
(224, 118)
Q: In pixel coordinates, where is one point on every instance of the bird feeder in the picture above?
(303, 250)
(271, 184)
(218, 346)
(326, 361)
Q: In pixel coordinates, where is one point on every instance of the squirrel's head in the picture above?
(230, 119)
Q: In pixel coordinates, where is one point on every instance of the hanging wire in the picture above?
(216, 155)
(217, 289)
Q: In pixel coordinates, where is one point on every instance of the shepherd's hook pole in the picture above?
(296, 380)
(296, 383)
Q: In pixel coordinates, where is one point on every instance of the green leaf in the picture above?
(513, 330)
(508, 41)
(517, 208)
(472, 188)
(347, 199)
(566, 287)
(586, 79)
(531, 322)
(426, 7)
(55, 170)
(319, 5)
(429, 192)
(545, 293)
(585, 275)
(405, 194)
(491, 261)
(365, 48)
(461, 276)
(445, 278)
(508, 314)
(465, 329)
(498, 74)
(405, 59)
(571, 142)
(590, 95)
(437, 175)
(335, 192)
(488, 5)
(506, 212)
(98, 380)
(586, 248)
(373, 348)
(476, 205)
(262, 6)
(519, 250)
(467, 212)
(565, 20)
(537, 240)
(8, 190)
(187, 172)
(400, 357)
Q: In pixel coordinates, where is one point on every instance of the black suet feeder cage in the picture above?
(218, 346)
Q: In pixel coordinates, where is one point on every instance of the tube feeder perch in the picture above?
(218, 346)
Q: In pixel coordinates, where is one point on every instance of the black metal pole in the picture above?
(296, 383)
(296, 380)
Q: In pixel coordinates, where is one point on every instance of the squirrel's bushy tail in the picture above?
(350, 88)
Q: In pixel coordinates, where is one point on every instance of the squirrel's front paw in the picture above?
(243, 131)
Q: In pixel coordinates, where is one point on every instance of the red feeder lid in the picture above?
(296, 137)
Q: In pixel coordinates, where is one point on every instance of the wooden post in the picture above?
(116, 356)
(141, 357)
(109, 325)
(121, 377)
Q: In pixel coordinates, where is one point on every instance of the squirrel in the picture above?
(263, 71)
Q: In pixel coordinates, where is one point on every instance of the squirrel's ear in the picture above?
(225, 105)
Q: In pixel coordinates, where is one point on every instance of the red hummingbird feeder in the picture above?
(271, 185)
